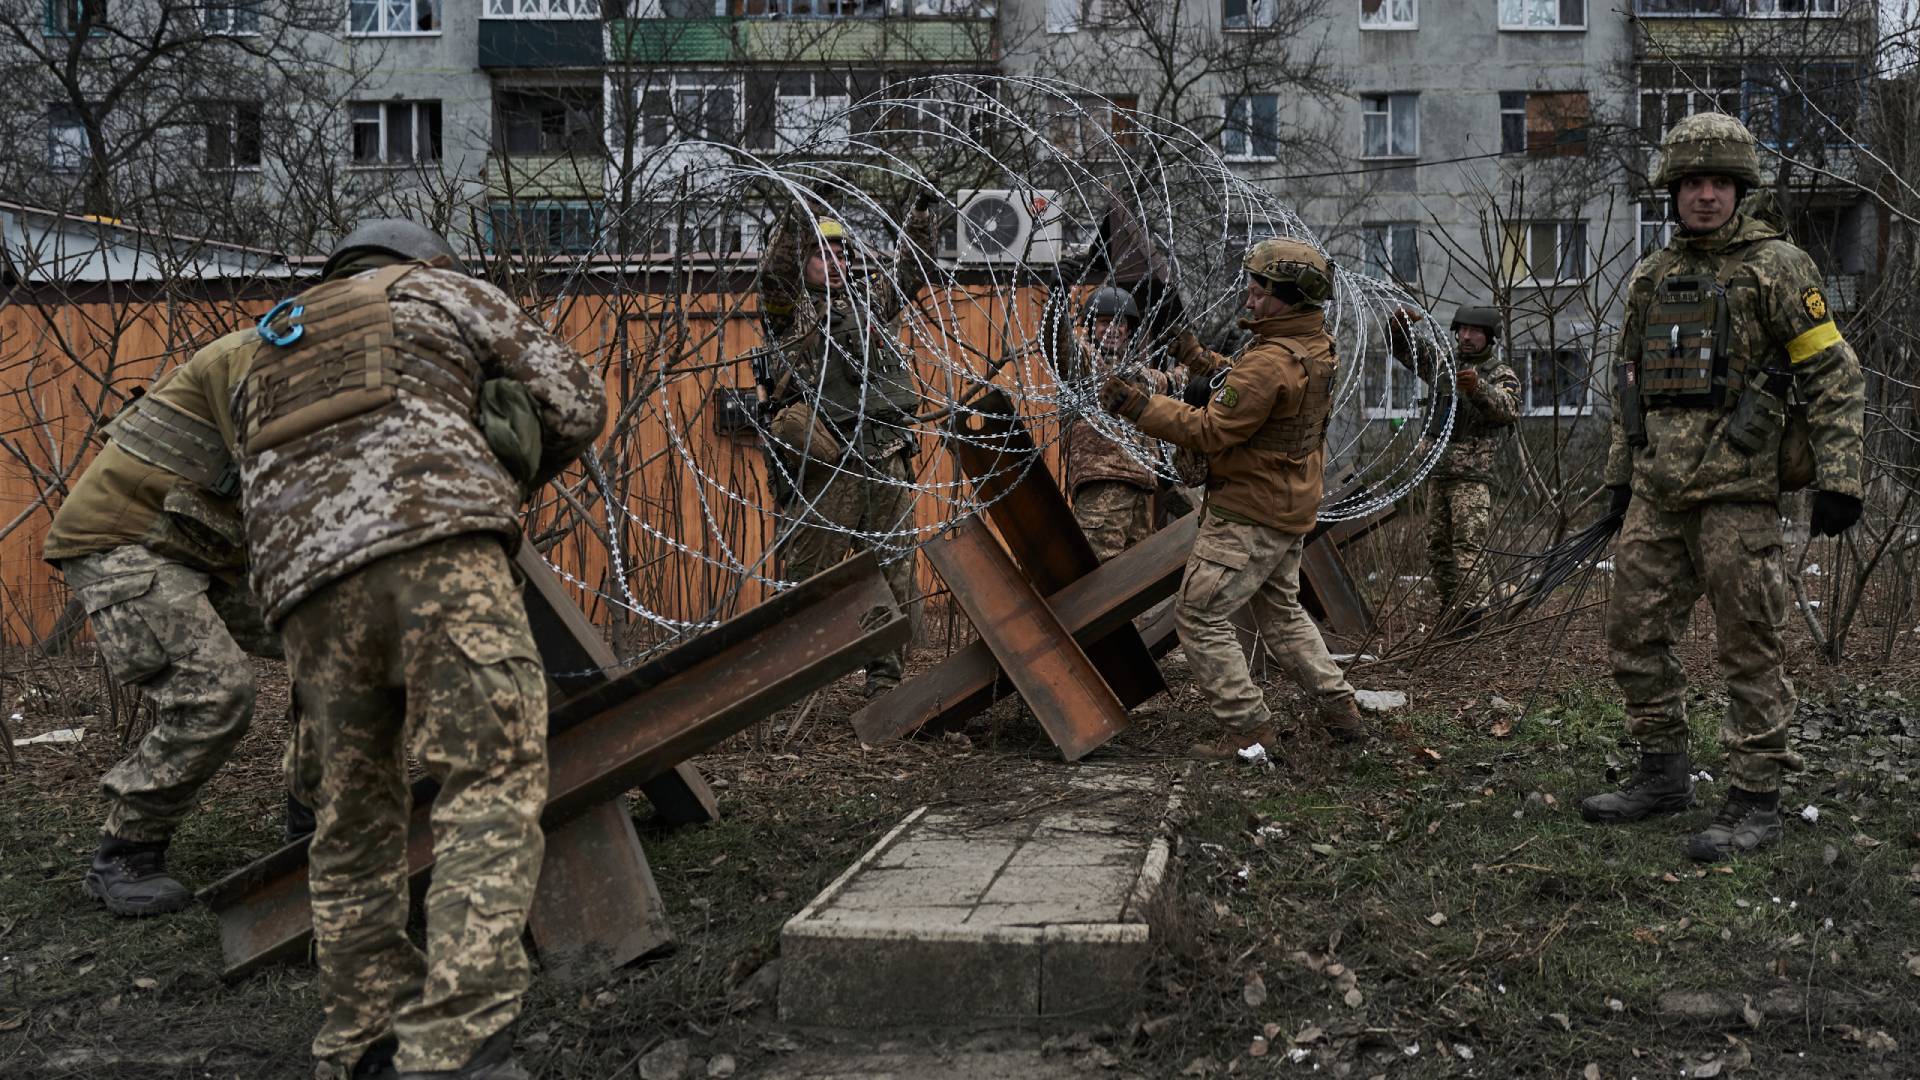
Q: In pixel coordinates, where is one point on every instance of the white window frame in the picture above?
(1261, 15)
(1749, 9)
(1523, 367)
(1708, 99)
(68, 146)
(229, 117)
(224, 17)
(1241, 128)
(1385, 114)
(1377, 246)
(1524, 22)
(540, 9)
(1661, 222)
(1559, 255)
(1072, 16)
(668, 225)
(518, 210)
(1094, 125)
(416, 114)
(1396, 377)
(1387, 21)
(674, 83)
(1507, 111)
(385, 9)
(803, 119)
(656, 9)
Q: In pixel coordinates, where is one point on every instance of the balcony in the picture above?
(546, 176)
(507, 44)
(916, 40)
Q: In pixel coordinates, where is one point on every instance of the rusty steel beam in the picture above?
(619, 734)
(1066, 693)
(596, 907)
(1117, 591)
(1024, 503)
(577, 659)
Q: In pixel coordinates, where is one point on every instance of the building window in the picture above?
(68, 147)
(1067, 16)
(66, 17)
(546, 228)
(675, 9)
(1390, 125)
(1656, 224)
(1389, 15)
(1543, 14)
(233, 134)
(811, 9)
(1758, 8)
(708, 229)
(542, 9)
(1545, 252)
(556, 120)
(1388, 389)
(809, 108)
(689, 105)
(1391, 250)
(1667, 95)
(1252, 129)
(393, 16)
(1557, 381)
(1249, 14)
(1544, 124)
(1808, 108)
(1095, 125)
(396, 132)
(236, 18)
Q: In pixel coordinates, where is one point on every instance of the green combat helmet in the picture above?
(1280, 261)
(1112, 303)
(393, 236)
(1708, 144)
(1485, 318)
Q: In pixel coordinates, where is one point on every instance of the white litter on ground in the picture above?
(1380, 701)
(49, 738)
(1253, 755)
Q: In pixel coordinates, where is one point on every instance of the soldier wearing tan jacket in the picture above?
(1264, 437)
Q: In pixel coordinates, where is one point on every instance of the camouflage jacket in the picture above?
(1092, 455)
(122, 499)
(416, 469)
(839, 350)
(1778, 320)
(1480, 420)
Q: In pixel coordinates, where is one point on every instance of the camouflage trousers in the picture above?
(1114, 515)
(1664, 562)
(851, 501)
(1458, 516)
(427, 653)
(1234, 566)
(181, 636)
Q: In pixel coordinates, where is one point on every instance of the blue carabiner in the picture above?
(283, 338)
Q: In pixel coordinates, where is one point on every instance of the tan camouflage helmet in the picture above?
(1708, 144)
(1278, 260)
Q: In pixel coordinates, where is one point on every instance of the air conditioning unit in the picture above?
(1002, 226)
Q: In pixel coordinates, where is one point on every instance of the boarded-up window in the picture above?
(1557, 124)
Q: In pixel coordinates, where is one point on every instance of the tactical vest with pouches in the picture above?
(166, 436)
(867, 383)
(347, 363)
(1305, 431)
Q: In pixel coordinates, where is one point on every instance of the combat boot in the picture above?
(493, 1061)
(1748, 821)
(1228, 746)
(376, 1062)
(131, 878)
(1341, 717)
(1662, 784)
(299, 819)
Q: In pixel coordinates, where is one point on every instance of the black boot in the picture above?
(131, 878)
(1661, 785)
(299, 819)
(1748, 821)
(376, 1062)
(493, 1061)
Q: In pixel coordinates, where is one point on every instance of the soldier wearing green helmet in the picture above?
(1486, 402)
(1726, 332)
(1264, 434)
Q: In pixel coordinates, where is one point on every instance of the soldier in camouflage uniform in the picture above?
(1460, 499)
(149, 541)
(842, 402)
(1264, 433)
(1723, 327)
(1112, 491)
(393, 421)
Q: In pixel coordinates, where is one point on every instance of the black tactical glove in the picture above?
(1122, 397)
(1622, 495)
(1833, 513)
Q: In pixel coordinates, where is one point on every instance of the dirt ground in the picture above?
(1431, 907)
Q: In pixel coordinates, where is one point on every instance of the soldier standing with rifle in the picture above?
(1264, 434)
(1722, 326)
(843, 398)
(393, 421)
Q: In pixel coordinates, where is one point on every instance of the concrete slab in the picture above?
(1031, 913)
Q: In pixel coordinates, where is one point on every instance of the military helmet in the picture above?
(1111, 302)
(1485, 318)
(395, 236)
(1708, 144)
(1278, 260)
